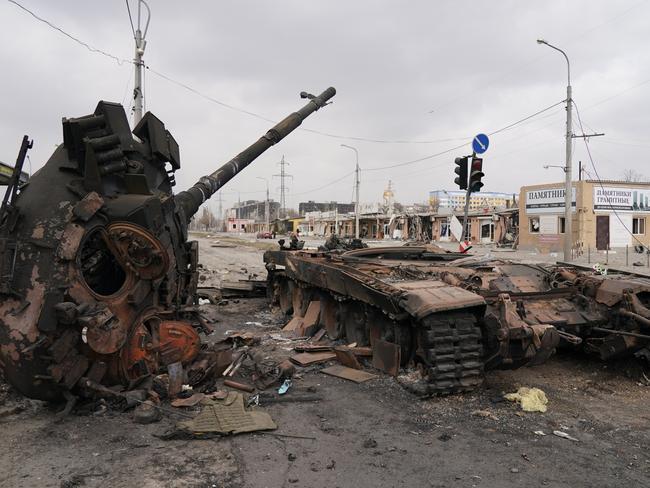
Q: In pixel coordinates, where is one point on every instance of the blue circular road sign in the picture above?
(480, 143)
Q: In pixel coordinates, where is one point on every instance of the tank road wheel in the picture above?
(329, 316)
(353, 317)
(450, 349)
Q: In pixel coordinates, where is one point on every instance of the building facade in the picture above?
(605, 215)
(312, 206)
(455, 200)
(254, 210)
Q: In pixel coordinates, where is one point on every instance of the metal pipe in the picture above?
(620, 332)
(638, 318)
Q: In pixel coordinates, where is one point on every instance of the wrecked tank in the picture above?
(98, 282)
(452, 316)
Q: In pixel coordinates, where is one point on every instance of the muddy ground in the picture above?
(368, 435)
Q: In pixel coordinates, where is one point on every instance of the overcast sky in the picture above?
(415, 71)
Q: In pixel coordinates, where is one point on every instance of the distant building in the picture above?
(254, 210)
(312, 206)
(455, 200)
(605, 214)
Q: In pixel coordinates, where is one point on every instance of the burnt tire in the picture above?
(450, 353)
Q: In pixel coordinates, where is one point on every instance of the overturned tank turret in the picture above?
(98, 280)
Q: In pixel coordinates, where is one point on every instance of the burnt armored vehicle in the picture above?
(98, 281)
(454, 316)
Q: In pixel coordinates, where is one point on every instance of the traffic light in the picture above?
(475, 175)
(461, 171)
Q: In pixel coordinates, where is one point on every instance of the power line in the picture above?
(283, 187)
(119, 61)
(519, 67)
(325, 185)
(600, 181)
(447, 151)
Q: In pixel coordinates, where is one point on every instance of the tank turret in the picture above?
(98, 280)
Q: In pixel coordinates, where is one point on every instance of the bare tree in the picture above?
(631, 176)
(207, 219)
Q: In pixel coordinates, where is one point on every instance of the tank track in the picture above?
(450, 354)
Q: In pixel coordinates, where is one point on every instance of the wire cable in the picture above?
(325, 185)
(119, 61)
(447, 151)
(600, 181)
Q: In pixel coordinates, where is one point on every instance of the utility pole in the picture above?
(336, 219)
(283, 187)
(266, 204)
(356, 185)
(140, 44)
(220, 215)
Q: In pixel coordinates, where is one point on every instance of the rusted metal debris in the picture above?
(454, 316)
(97, 277)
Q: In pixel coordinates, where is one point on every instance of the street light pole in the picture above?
(568, 192)
(266, 204)
(140, 44)
(356, 204)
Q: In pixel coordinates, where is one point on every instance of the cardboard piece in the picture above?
(350, 374)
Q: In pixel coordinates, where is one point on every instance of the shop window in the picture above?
(561, 223)
(638, 226)
(533, 225)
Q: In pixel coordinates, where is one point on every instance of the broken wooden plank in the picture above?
(294, 325)
(308, 358)
(310, 322)
(318, 335)
(350, 374)
(386, 356)
(361, 351)
(346, 357)
(312, 347)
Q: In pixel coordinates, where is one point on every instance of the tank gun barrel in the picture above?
(191, 199)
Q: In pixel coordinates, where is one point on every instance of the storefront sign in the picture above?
(548, 200)
(621, 199)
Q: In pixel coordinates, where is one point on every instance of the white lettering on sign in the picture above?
(548, 200)
(621, 199)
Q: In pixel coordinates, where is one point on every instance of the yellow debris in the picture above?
(531, 399)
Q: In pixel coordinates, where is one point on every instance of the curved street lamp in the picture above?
(568, 192)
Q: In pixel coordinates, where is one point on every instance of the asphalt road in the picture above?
(373, 434)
